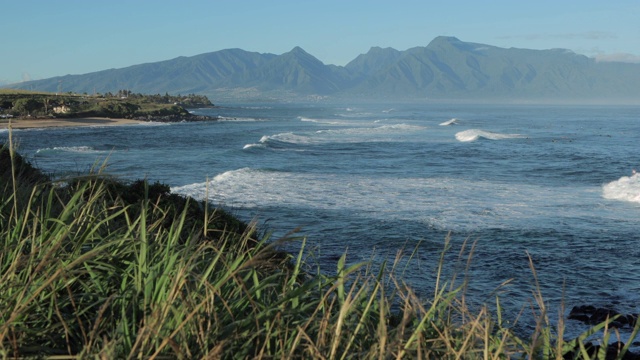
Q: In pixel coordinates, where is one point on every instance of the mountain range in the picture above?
(446, 69)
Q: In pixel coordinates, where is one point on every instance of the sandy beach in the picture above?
(47, 123)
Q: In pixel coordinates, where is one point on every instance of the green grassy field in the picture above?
(96, 268)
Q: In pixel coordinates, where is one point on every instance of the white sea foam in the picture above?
(306, 119)
(453, 121)
(443, 203)
(340, 135)
(72, 149)
(289, 138)
(321, 121)
(238, 119)
(372, 130)
(475, 134)
(256, 107)
(627, 188)
(401, 127)
(153, 123)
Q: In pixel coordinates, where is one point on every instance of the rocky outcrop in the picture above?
(592, 315)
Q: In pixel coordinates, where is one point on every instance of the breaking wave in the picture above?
(627, 188)
(282, 140)
(252, 146)
(449, 122)
(475, 134)
(285, 138)
(341, 135)
(442, 203)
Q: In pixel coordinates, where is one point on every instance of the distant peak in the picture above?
(378, 49)
(448, 43)
(447, 38)
(298, 50)
(444, 39)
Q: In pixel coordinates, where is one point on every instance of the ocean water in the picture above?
(548, 184)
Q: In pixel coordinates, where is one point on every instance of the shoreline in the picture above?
(66, 122)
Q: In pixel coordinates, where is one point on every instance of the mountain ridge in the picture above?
(446, 69)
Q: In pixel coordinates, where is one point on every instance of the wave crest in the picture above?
(252, 146)
(475, 134)
(453, 121)
(285, 138)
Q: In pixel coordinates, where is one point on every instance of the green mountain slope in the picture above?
(446, 68)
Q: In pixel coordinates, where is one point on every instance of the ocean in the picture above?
(553, 185)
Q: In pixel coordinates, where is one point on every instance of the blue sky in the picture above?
(46, 38)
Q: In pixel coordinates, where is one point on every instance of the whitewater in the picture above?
(554, 185)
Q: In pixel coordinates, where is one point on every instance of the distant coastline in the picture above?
(23, 109)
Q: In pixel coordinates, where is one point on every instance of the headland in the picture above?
(24, 110)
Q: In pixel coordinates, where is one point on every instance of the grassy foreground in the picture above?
(102, 269)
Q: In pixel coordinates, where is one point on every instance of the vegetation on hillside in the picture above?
(97, 268)
(445, 70)
(123, 104)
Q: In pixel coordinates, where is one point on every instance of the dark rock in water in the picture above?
(591, 315)
(612, 352)
(580, 313)
(601, 315)
(589, 308)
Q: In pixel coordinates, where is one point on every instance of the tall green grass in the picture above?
(86, 273)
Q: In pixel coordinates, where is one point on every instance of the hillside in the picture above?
(446, 69)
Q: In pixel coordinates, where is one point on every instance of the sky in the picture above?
(46, 38)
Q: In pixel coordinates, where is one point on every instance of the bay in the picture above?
(548, 184)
